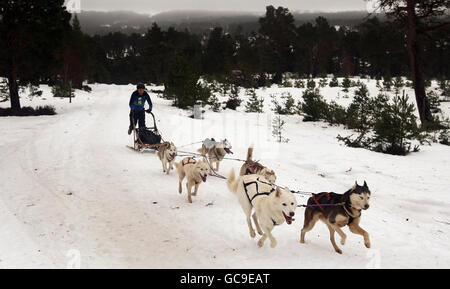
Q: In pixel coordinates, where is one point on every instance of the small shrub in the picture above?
(395, 126)
(387, 83)
(213, 101)
(299, 83)
(278, 128)
(433, 98)
(254, 104)
(314, 105)
(334, 82)
(323, 82)
(288, 105)
(346, 84)
(63, 90)
(311, 84)
(29, 111)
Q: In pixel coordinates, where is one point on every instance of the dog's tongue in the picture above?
(228, 151)
(289, 220)
(204, 179)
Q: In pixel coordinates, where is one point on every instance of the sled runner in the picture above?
(147, 138)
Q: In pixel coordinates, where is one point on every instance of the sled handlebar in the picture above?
(154, 121)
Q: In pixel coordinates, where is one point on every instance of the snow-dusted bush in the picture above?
(334, 82)
(313, 106)
(29, 111)
(254, 104)
(233, 101)
(299, 83)
(288, 105)
(346, 84)
(213, 101)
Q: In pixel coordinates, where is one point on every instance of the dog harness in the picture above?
(316, 200)
(258, 193)
(188, 161)
(317, 197)
(253, 167)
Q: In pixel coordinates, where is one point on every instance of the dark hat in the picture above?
(140, 86)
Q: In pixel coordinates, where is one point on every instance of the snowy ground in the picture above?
(72, 194)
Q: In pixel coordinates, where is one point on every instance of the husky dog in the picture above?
(273, 206)
(167, 153)
(252, 167)
(347, 212)
(215, 151)
(194, 171)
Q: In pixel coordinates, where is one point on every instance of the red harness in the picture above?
(188, 161)
(316, 200)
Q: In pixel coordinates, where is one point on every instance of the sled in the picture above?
(146, 139)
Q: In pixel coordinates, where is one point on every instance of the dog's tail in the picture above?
(250, 153)
(231, 182)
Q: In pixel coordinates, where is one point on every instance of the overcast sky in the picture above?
(155, 6)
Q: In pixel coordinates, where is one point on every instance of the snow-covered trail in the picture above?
(69, 183)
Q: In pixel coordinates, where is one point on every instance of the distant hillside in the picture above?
(94, 22)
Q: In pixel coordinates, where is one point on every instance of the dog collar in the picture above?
(347, 211)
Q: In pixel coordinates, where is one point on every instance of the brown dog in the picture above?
(347, 211)
(167, 153)
(251, 167)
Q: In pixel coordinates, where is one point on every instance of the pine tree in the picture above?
(254, 104)
(346, 84)
(395, 126)
(314, 106)
(4, 89)
(311, 84)
(63, 90)
(233, 101)
(359, 111)
(299, 83)
(323, 82)
(28, 30)
(387, 83)
(398, 84)
(334, 82)
(213, 101)
(444, 86)
(278, 128)
(288, 105)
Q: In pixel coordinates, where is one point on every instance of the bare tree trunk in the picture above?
(416, 66)
(13, 89)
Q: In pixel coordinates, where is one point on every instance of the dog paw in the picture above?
(260, 243)
(302, 241)
(343, 241)
(260, 232)
(339, 251)
(252, 234)
(367, 244)
(273, 244)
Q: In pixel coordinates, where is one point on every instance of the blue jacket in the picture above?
(137, 101)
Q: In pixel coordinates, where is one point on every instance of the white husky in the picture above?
(272, 205)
